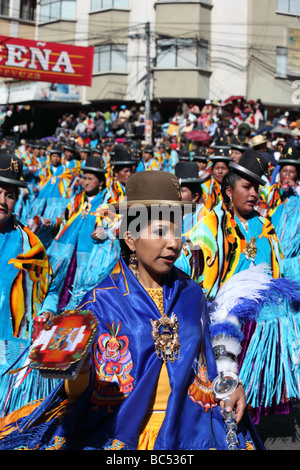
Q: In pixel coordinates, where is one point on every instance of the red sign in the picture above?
(24, 59)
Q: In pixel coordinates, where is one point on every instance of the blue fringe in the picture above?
(270, 370)
(249, 310)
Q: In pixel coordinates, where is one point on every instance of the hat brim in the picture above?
(238, 147)
(190, 181)
(93, 170)
(18, 183)
(259, 143)
(148, 203)
(225, 146)
(288, 162)
(246, 173)
(199, 158)
(223, 158)
(128, 163)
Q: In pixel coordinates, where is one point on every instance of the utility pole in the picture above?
(148, 134)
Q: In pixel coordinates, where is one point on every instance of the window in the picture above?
(289, 6)
(57, 9)
(110, 57)
(4, 7)
(183, 53)
(282, 61)
(103, 4)
(27, 9)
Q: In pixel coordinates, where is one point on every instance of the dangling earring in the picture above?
(133, 265)
(231, 206)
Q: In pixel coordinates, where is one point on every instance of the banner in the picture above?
(22, 92)
(23, 59)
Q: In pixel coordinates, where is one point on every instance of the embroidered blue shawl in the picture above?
(124, 309)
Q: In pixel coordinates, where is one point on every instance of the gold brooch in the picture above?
(250, 249)
(166, 339)
(86, 209)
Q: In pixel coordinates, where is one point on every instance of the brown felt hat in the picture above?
(147, 188)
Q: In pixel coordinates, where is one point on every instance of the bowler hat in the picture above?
(97, 149)
(183, 155)
(222, 154)
(148, 149)
(148, 188)
(11, 170)
(221, 142)
(187, 172)
(252, 165)
(121, 157)
(86, 148)
(56, 148)
(70, 145)
(289, 156)
(239, 142)
(94, 165)
(200, 155)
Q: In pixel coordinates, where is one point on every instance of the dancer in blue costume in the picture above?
(286, 217)
(211, 187)
(148, 161)
(70, 156)
(33, 165)
(191, 191)
(262, 331)
(53, 196)
(147, 388)
(201, 158)
(27, 290)
(122, 165)
(79, 255)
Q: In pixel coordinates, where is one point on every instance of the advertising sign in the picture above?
(23, 59)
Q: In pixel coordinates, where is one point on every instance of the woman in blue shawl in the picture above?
(78, 245)
(241, 263)
(150, 384)
(53, 195)
(286, 216)
(27, 290)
